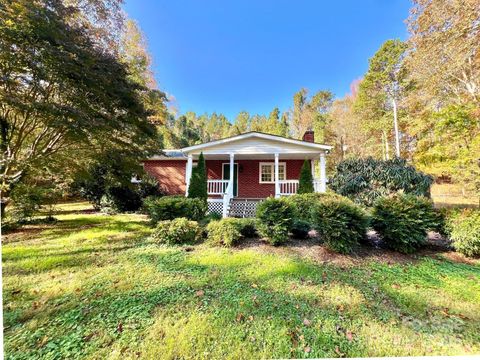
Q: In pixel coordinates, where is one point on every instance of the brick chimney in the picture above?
(309, 136)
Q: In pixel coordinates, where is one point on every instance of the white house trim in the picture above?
(257, 135)
(223, 170)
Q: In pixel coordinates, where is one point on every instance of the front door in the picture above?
(226, 176)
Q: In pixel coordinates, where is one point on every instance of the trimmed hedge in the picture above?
(230, 231)
(172, 207)
(403, 221)
(177, 231)
(303, 203)
(275, 219)
(339, 222)
(464, 230)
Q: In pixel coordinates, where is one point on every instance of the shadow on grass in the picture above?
(258, 302)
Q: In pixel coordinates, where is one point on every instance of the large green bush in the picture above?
(403, 221)
(339, 222)
(275, 218)
(303, 203)
(365, 180)
(464, 230)
(305, 183)
(176, 231)
(171, 207)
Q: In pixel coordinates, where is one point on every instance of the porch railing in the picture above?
(217, 187)
(288, 187)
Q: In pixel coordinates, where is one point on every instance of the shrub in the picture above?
(339, 222)
(120, 199)
(403, 221)
(176, 231)
(303, 203)
(305, 184)
(224, 232)
(248, 227)
(171, 207)
(464, 230)
(365, 180)
(275, 217)
(198, 180)
(300, 229)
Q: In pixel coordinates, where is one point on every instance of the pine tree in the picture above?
(306, 180)
(198, 180)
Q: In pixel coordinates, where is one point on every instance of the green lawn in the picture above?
(91, 286)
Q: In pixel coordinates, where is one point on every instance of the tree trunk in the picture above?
(395, 124)
(387, 146)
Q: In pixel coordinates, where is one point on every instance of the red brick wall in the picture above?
(248, 176)
(171, 175)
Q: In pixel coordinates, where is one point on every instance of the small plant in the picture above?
(171, 207)
(403, 221)
(339, 222)
(177, 231)
(230, 231)
(224, 232)
(464, 230)
(300, 229)
(305, 184)
(275, 218)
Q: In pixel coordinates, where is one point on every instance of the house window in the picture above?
(267, 172)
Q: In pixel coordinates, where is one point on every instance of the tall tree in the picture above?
(384, 84)
(310, 113)
(241, 123)
(444, 58)
(58, 91)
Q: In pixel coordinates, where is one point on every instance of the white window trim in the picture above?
(272, 164)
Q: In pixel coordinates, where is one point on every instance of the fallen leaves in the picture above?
(200, 293)
(307, 322)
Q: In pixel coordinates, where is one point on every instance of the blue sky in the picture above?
(228, 56)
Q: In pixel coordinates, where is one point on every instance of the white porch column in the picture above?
(188, 173)
(312, 162)
(232, 166)
(277, 184)
(323, 173)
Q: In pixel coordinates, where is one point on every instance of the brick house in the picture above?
(261, 165)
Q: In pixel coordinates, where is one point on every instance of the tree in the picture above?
(241, 123)
(305, 184)
(134, 53)
(384, 85)
(58, 92)
(310, 114)
(444, 57)
(198, 180)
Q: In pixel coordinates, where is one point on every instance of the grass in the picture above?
(453, 196)
(91, 286)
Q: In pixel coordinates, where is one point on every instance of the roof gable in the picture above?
(256, 143)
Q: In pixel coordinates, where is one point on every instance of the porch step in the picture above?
(243, 207)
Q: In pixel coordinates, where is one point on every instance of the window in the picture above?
(267, 172)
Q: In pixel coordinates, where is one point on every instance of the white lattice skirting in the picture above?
(215, 206)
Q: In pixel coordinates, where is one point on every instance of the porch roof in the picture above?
(255, 142)
(251, 145)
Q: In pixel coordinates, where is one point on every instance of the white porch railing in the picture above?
(217, 187)
(288, 187)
